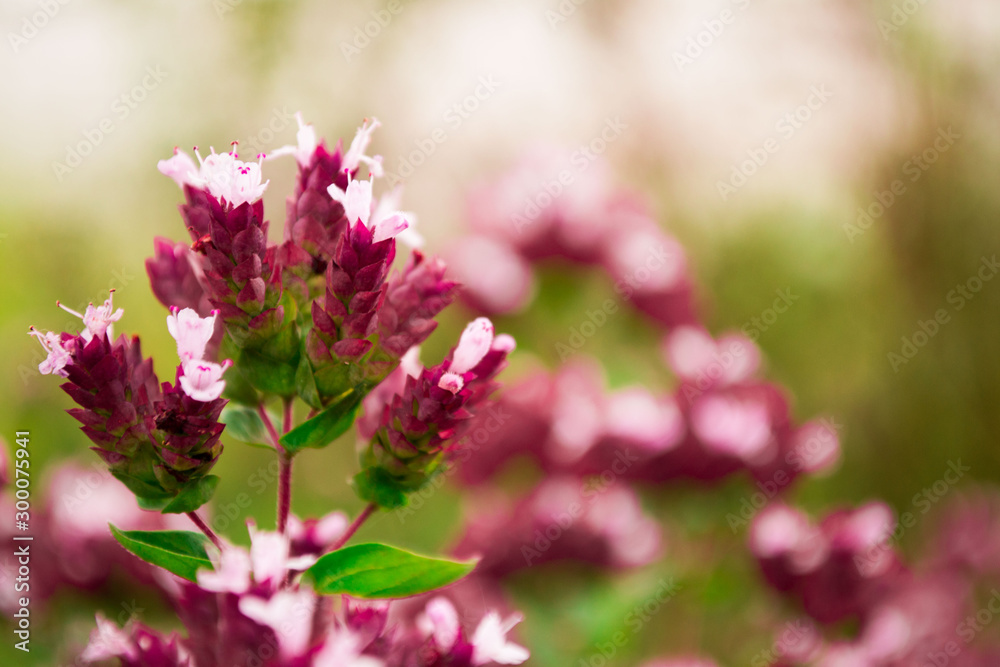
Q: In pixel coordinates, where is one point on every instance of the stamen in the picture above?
(70, 310)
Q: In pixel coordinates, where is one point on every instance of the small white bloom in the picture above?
(289, 614)
(440, 621)
(489, 641)
(56, 358)
(231, 179)
(181, 168)
(357, 200)
(202, 380)
(107, 642)
(355, 155)
(191, 332)
(231, 573)
(97, 320)
(476, 341)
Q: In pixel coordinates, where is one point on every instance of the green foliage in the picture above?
(379, 571)
(177, 551)
(325, 427)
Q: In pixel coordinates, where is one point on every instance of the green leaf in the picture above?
(238, 388)
(192, 496)
(325, 427)
(268, 374)
(177, 551)
(244, 424)
(379, 571)
(305, 383)
(374, 485)
(148, 495)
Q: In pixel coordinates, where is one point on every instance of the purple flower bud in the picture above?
(421, 428)
(173, 275)
(415, 296)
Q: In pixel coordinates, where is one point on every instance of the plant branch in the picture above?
(287, 424)
(203, 527)
(284, 460)
(269, 425)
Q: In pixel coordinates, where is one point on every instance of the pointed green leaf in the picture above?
(305, 383)
(192, 496)
(325, 427)
(147, 495)
(244, 424)
(177, 551)
(379, 571)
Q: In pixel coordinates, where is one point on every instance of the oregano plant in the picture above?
(316, 324)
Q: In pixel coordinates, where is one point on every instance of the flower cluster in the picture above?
(160, 441)
(847, 568)
(319, 318)
(416, 431)
(595, 446)
(547, 207)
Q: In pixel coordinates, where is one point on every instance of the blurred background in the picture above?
(870, 195)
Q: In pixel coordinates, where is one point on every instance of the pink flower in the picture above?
(181, 168)
(387, 218)
(355, 155)
(741, 427)
(289, 614)
(306, 143)
(231, 574)
(269, 556)
(489, 641)
(108, 641)
(191, 332)
(357, 200)
(476, 341)
(56, 355)
(440, 621)
(494, 276)
(342, 648)
(97, 320)
(202, 380)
